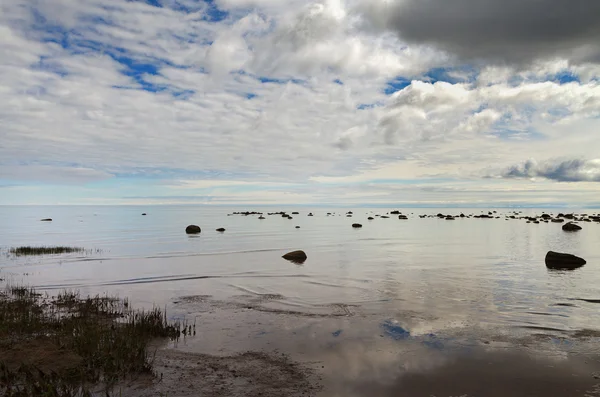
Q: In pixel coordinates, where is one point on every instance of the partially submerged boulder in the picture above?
(296, 256)
(221, 229)
(356, 225)
(560, 261)
(193, 229)
(46, 220)
(571, 227)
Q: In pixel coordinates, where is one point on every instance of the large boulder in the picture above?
(571, 227)
(193, 229)
(295, 256)
(556, 260)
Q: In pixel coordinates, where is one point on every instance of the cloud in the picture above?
(575, 170)
(243, 97)
(508, 31)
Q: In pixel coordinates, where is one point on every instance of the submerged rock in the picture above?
(144, 214)
(221, 229)
(46, 220)
(558, 220)
(297, 227)
(356, 225)
(404, 217)
(370, 218)
(571, 227)
(296, 256)
(193, 229)
(556, 260)
(384, 216)
(310, 214)
(261, 217)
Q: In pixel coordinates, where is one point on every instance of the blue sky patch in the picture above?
(395, 85)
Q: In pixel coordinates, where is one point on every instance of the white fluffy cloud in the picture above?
(306, 96)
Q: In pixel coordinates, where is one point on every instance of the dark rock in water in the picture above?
(384, 217)
(571, 227)
(403, 217)
(296, 256)
(261, 217)
(348, 216)
(295, 213)
(46, 220)
(144, 214)
(441, 215)
(449, 218)
(289, 217)
(370, 218)
(546, 216)
(556, 260)
(221, 229)
(560, 215)
(462, 215)
(395, 212)
(558, 220)
(193, 229)
(569, 216)
(349, 212)
(297, 227)
(356, 225)
(310, 214)
(536, 221)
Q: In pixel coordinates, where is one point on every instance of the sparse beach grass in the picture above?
(43, 250)
(68, 345)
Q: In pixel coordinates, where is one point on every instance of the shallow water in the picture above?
(439, 283)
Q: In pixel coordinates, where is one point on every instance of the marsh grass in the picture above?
(67, 345)
(44, 250)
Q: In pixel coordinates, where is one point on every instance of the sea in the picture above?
(447, 284)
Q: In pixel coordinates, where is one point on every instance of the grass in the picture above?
(67, 345)
(43, 250)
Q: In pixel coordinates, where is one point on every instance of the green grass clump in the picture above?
(50, 250)
(63, 346)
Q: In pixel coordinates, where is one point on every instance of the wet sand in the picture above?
(249, 347)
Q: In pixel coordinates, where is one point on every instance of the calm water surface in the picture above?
(483, 271)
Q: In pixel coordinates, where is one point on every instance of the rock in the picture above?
(370, 218)
(348, 216)
(289, 217)
(295, 213)
(193, 229)
(449, 218)
(221, 229)
(395, 213)
(571, 227)
(403, 217)
(310, 214)
(349, 212)
(144, 214)
(546, 216)
(462, 215)
(297, 227)
(384, 217)
(295, 256)
(569, 216)
(556, 260)
(440, 215)
(46, 220)
(356, 225)
(558, 220)
(261, 217)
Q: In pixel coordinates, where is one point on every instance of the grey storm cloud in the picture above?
(507, 31)
(576, 170)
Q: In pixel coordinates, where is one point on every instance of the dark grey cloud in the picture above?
(505, 31)
(576, 170)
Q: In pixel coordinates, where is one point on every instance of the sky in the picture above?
(278, 102)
